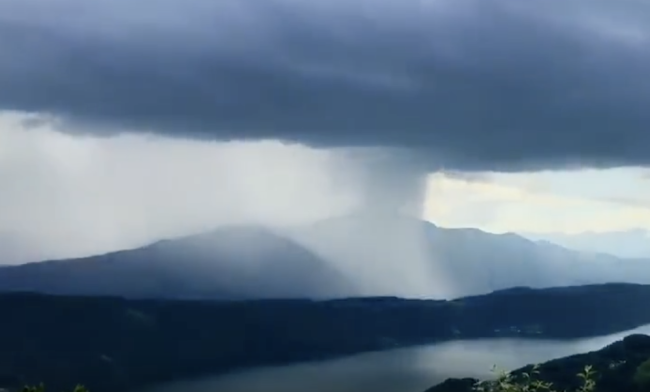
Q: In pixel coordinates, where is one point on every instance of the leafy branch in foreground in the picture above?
(528, 382)
(41, 388)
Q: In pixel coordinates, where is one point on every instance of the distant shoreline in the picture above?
(113, 344)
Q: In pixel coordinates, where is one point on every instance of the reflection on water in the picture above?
(403, 370)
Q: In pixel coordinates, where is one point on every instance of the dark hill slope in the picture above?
(614, 369)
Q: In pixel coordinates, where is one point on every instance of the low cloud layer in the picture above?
(473, 84)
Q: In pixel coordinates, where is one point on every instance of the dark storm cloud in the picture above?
(473, 84)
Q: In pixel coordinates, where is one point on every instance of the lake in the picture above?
(402, 370)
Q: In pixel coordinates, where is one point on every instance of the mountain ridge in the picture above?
(630, 244)
(197, 266)
(341, 257)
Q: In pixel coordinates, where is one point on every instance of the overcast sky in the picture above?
(123, 122)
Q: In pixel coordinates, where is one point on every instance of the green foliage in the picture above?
(41, 388)
(528, 382)
(642, 375)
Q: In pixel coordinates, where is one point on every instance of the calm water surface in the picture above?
(404, 370)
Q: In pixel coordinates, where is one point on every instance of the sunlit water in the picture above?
(404, 370)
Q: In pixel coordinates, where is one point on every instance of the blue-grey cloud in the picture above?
(473, 84)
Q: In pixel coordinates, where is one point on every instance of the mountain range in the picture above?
(633, 243)
(354, 255)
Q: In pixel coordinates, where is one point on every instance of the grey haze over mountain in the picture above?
(459, 262)
(346, 256)
(627, 243)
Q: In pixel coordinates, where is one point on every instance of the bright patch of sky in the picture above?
(561, 201)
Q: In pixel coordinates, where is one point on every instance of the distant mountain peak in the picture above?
(239, 262)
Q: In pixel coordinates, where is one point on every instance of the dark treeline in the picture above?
(113, 344)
